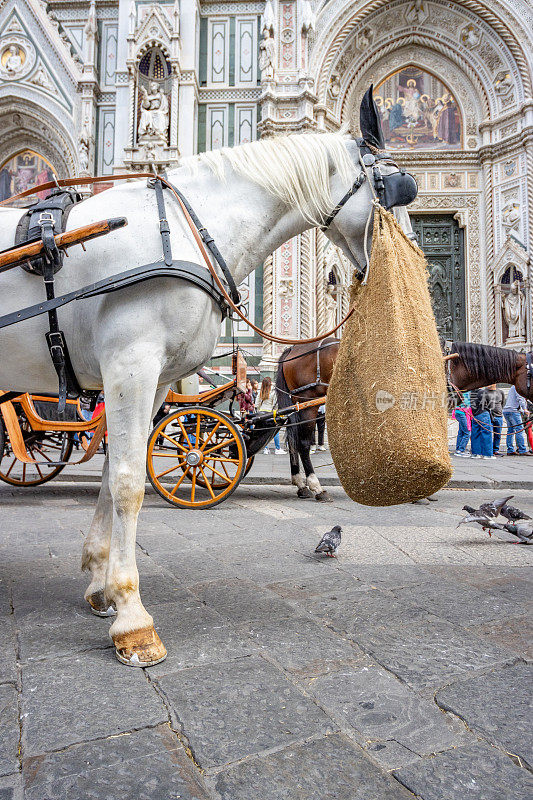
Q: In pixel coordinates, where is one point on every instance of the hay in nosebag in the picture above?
(386, 406)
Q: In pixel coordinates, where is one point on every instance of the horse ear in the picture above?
(369, 121)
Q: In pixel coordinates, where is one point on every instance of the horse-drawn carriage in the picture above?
(197, 455)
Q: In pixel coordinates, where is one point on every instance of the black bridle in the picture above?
(370, 158)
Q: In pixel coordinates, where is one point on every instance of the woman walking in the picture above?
(482, 430)
(266, 400)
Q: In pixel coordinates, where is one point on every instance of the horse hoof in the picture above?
(323, 497)
(304, 492)
(99, 606)
(141, 648)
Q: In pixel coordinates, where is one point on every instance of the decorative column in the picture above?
(89, 89)
(488, 182)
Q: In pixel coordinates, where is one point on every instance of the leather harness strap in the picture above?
(322, 346)
(187, 270)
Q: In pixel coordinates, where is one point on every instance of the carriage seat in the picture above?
(58, 203)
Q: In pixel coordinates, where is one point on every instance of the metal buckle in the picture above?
(369, 159)
(45, 218)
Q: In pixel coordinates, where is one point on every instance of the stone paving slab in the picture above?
(498, 706)
(470, 607)
(380, 707)
(67, 701)
(9, 729)
(301, 646)
(242, 601)
(145, 765)
(195, 635)
(514, 633)
(429, 652)
(8, 667)
(256, 708)
(328, 769)
(478, 772)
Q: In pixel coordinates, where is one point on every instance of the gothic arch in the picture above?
(472, 101)
(339, 24)
(25, 125)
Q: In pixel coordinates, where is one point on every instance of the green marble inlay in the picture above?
(202, 69)
(232, 52)
(201, 127)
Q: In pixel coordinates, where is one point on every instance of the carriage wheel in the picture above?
(46, 447)
(196, 457)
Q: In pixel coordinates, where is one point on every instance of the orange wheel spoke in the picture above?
(42, 453)
(184, 432)
(174, 442)
(197, 434)
(23, 471)
(193, 483)
(211, 492)
(225, 478)
(217, 446)
(171, 469)
(167, 455)
(11, 467)
(215, 429)
(180, 480)
(38, 470)
(224, 459)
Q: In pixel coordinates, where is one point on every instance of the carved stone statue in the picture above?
(514, 307)
(154, 112)
(334, 86)
(267, 56)
(14, 60)
(84, 145)
(330, 303)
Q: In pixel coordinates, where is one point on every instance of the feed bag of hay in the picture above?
(386, 406)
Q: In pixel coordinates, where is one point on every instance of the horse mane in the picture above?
(295, 167)
(483, 362)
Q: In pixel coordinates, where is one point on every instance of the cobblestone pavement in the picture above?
(399, 670)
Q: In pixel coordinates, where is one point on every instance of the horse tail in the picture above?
(284, 400)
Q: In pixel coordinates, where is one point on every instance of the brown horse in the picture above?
(478, 365)
(304, 372)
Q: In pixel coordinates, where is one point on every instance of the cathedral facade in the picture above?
(105, 86)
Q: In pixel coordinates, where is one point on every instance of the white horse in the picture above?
(133, 343)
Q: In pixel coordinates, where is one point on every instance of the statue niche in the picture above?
(153, 105)
(513, 307)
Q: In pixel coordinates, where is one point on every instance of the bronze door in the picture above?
(442, 241)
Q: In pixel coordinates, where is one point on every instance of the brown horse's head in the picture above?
(478, 365)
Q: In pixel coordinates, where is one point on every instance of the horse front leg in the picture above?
(292, 442)
(129, 398)
(95, 553)
(305, 441)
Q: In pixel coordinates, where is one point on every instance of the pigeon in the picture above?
(485, 522)
(489, 509)
(330, 542)
(521, 531)
(512, 513)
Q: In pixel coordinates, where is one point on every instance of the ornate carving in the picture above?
(17, 57)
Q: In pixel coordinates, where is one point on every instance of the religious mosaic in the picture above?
(22, 171)
(418, 112)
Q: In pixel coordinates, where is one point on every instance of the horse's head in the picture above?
(378, 176)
